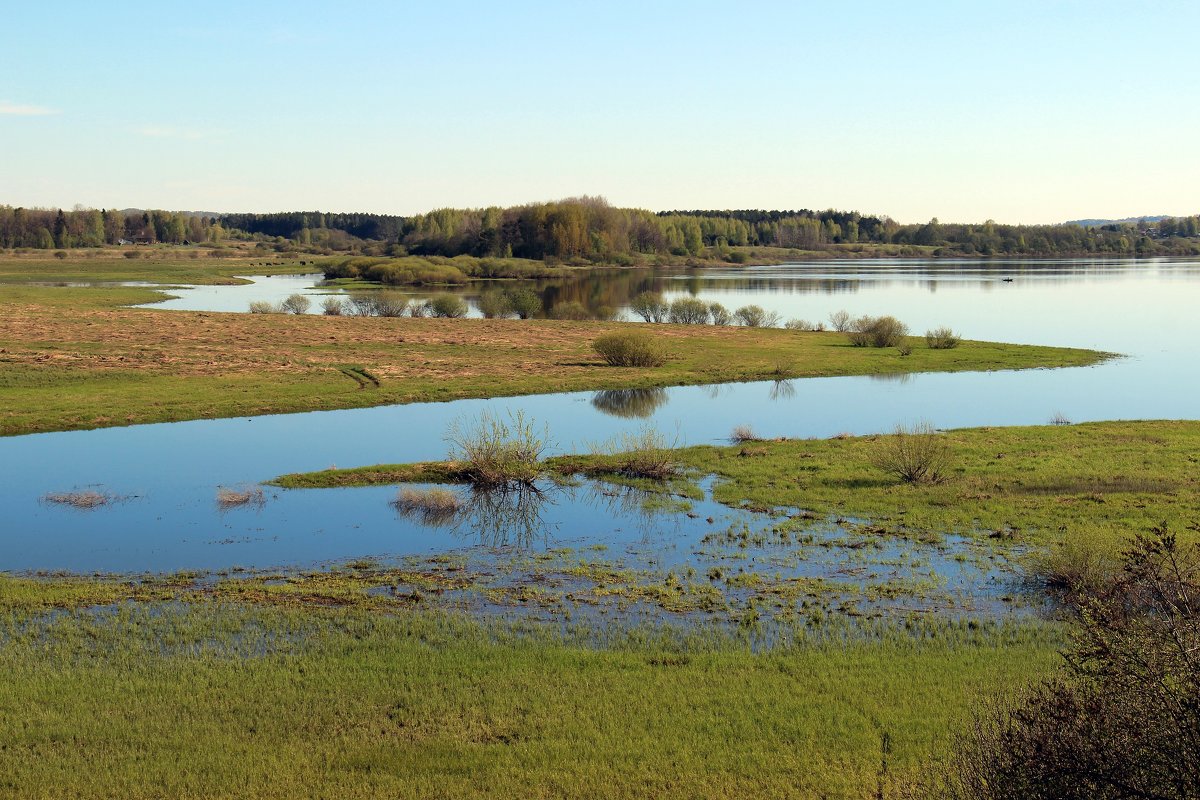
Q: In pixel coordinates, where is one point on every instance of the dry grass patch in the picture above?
(235, 497)
(82, 500)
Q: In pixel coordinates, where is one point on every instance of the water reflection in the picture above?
(892, 377)
(497, 517)
(782, 390)
(630, 403)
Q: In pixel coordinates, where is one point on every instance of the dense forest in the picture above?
(588, 229)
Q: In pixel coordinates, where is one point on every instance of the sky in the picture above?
(1032, 112)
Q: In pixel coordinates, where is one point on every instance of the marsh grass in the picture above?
(494, 452)
(434, 506)
(84, 500)
(644, 454)
(229, 497)
(742, 434)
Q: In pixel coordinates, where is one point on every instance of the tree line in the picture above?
(48, 229)
(589, 229)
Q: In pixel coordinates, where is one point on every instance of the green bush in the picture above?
(650, 306)
(688, 311)
(448, 306)
(719, 314)
(494, 305)
(525, 303)
(754, 316)
(877, 332)
(571, 309)
(630, 349)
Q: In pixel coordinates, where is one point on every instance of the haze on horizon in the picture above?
(1033, 112)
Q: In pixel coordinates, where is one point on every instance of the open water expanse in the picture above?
(167, 475)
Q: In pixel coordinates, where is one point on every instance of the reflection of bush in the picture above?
(630, 403)
(504, 517)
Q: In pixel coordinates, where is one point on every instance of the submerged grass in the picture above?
(193, 700)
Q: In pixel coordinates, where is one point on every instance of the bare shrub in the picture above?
(799, 325)
(840, 321)
(1123, 718)
(1059, 418)
(743, 433)
(436, 506)
(333, 306)
(362, 305)
(650, 306)
(630, 349)
(916, 454)
(754, 316)
(497, 452)
(230, 497)
(264, 307)
(420, 308)
(942, 339)
(877, 332)
(296, 304)
(719, 314)
(688, 311)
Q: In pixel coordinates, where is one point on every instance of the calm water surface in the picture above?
(168, 474)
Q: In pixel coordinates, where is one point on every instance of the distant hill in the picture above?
(1096, 223)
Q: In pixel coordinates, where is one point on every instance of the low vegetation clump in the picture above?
(719, 314)
(495, 305)
(803, 325)
(651, 307)
(434, 506)
(296, 304)
(495, 452)
(230, 497)
(333, 306)
(754, 316)
(265, 307)
(570, 310)
(448, 306)
(525, 303)
(916, 454)
(1123, 719)
(630, 349)
(942, 339)
(86, 499)
(688, 311)
(884, 331)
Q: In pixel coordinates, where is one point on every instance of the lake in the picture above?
(166, 476)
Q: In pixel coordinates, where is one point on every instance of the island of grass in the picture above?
(76, 357)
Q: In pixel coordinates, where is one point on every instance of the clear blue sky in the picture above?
(1018, 111)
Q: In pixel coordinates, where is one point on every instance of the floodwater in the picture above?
(163, 478)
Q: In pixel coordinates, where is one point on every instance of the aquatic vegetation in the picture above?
(83, 499)
(434, 506)
(234, 497)
(495, 452)
(913, 453)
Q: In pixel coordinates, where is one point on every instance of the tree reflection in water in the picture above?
(630, 403)
(782, 390)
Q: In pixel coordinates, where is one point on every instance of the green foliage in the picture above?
(571, 309)
(688, 311)
(630, 349)
(525, 303)
(877, 332)
(448, 305)
(719, 314)
(495, 305)
(650, 306)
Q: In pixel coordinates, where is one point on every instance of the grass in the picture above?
(85, 499)
(301, 703)
(230, 497)
(72, 358)
(433, 506)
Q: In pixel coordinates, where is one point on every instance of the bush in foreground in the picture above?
(630, 349)
(1123, 721)
(296, 304)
